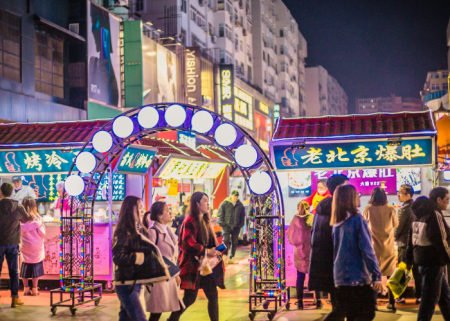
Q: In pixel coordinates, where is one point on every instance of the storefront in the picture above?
(42, 154)
(378, 150)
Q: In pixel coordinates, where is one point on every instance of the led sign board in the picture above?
(136, 159)
(190, 169)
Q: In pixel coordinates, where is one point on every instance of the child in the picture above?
(299, 235)
(32, 247)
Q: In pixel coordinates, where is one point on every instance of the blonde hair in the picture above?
(30, 206)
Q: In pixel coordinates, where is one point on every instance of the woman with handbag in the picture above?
(197, 240)
(138, 261)
(299, 235)
(162, 297)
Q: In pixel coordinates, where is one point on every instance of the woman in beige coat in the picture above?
(382, 219)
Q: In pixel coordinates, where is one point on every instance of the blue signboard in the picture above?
(37, 161)
(119, 187)
(136, 160)
(354, 155)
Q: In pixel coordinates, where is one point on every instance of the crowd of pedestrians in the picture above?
(346, 252)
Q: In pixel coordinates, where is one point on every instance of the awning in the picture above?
(62, 31)
(54, 134)
(355, 126)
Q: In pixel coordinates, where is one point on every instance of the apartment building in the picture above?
(324, 95)
(435, 86)
(387, 104)
(302, 53)
(221, 28)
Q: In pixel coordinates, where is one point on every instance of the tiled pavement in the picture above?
(233, 305)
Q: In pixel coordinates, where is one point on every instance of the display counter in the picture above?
(102, 253)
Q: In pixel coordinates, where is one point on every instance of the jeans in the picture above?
(12, 258)
(301, 285)
(208, 284)
(434, 290)
(355, 303)
(234, 234)
(130, 306)
(391, 296)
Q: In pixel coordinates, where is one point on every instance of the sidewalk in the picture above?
(233, 305)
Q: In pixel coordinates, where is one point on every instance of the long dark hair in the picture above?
(344, 201)
(156, 210)
(30, 206)
(423, 206)
(206, 232)
(378, 197)
(126, 226)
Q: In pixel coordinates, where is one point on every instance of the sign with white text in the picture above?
(193, 76)
(227, 90)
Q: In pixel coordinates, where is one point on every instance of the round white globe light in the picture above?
(202, 122)
(85, 162)
(175, 115)
(102, 141)
(122, 126)
(225, 134)
(260, 183)
(148, 117)
(74, 185)
(246, 155)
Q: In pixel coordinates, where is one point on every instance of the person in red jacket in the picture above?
(319, 194)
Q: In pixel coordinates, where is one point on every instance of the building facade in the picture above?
(392, 104)
(42, 72)
(437, 81)
(324, 95)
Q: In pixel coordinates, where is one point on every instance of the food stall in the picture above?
(375, 150)
(42, 153)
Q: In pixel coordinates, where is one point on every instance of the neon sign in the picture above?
(36, 161)
(136, 160)
(226, 88)
(190, 169)
(355, 154)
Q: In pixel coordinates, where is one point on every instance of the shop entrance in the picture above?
(109, 144)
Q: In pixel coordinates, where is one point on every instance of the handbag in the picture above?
(398, 282)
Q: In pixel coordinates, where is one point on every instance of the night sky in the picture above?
(375, 48)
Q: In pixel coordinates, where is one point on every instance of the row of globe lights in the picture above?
(148, 117)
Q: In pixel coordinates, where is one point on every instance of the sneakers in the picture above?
(401, 301)
(16, 302)
(392, 307)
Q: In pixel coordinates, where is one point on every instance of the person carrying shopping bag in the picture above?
(299, 235)
(138, 261)
(162, 297)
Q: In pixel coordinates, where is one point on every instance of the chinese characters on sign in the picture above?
(118, 192)
(37, 161)
(136, 160)
(182, 168)
(365, 180)
(227, 90)
(355, 155)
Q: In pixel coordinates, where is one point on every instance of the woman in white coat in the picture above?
(162, 297)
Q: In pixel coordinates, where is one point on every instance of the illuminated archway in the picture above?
(76, 240)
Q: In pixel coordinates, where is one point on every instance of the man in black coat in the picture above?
(11, 215)
(231, 218)
(321, 267)
(401, 233)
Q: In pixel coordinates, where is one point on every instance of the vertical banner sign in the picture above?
(227, 90)
(193, 73)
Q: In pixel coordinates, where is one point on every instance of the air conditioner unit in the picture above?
(74, 27)
(213, 39)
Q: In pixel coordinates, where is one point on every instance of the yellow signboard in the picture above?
(191, 169)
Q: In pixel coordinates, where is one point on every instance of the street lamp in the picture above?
(440, 112)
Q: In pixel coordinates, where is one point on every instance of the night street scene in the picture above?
(224, 160)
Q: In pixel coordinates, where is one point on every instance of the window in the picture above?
(445, 74)
(139, 5)
(242, 68)
(249, 73)
(228, 33)
(184, 6)
(236, 43)
(434, 86)
(49, 64)
(445, 86)
(10, 66)
(221, 30)
(264, 55)
(241, 46)
(283, 50)
(283, 67)
(434, 75)
(281, 33)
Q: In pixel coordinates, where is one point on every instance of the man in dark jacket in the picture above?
(231, 218)
(321, 267)
(429, 249)
(11, 215)
(401, 233)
